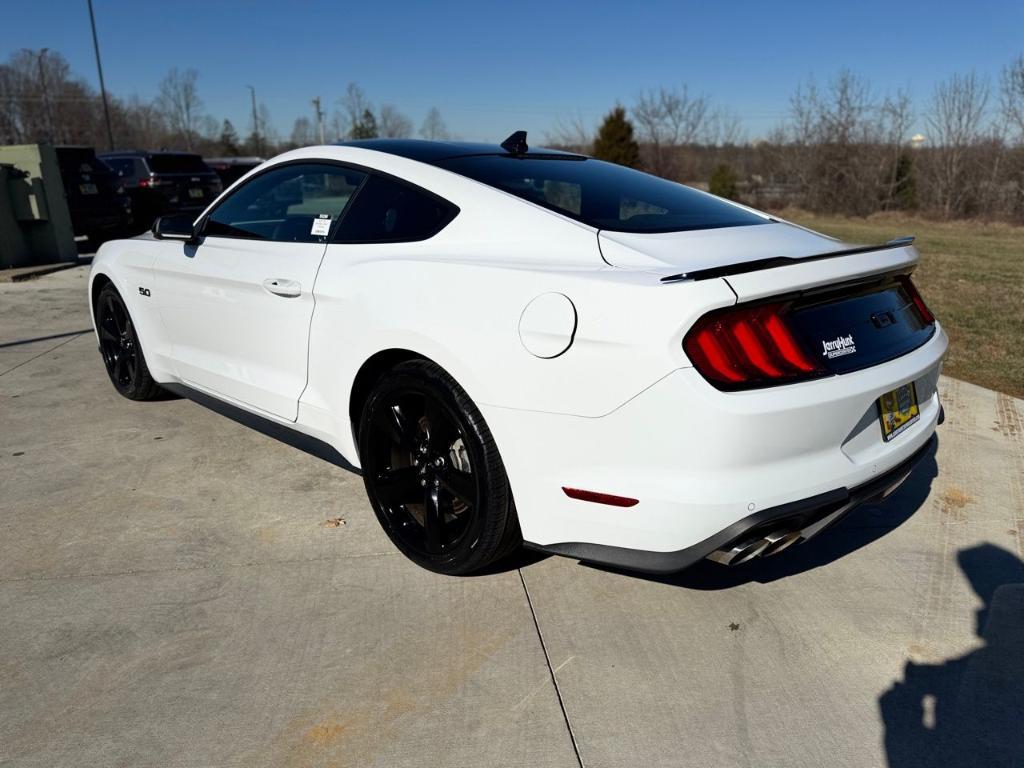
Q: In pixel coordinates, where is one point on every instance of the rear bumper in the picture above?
(813, 515)
(703, 462)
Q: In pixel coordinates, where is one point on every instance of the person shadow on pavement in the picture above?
(967, 711)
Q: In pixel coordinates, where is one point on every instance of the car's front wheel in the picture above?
(433, 472)
(120, 348)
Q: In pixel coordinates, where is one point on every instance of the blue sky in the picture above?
(492, 68)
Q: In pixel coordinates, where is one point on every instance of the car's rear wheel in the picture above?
(120, 348)
(433, 472)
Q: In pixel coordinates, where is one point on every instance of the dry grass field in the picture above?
(972, 276)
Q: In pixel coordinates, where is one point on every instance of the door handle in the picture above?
(281, 287)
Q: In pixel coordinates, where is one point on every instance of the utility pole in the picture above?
(255, 123)
(40, 55)
(103, 87)
(319, 119)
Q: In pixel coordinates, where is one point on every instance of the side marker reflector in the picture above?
(600, 498)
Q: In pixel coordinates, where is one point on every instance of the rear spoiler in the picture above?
(781, 261)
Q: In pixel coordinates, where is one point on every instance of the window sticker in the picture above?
(321, 226)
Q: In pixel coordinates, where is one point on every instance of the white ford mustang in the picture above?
(519, 345)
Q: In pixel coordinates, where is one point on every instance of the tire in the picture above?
(433, 473)
(120, 348)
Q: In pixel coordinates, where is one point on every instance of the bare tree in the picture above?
(572, 134)
(179, 101)
(837, 140)
(354, 107)
(433, 126)
(392, 124)
(955, 119)
(43, 102)
(668, 119)
(138, 124)
(1011, 94)
(302, 132)
(269, 137)
(725, 128)
(10, 107)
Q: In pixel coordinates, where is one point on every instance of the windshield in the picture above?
(603, 195)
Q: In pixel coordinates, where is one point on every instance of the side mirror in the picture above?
(179, 227)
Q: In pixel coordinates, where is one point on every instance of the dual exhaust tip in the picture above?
(746, 548)
(759, 546)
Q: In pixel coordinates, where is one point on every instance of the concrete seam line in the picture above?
(191, 568)
(58, 346)
(551, 670)
(7, 344)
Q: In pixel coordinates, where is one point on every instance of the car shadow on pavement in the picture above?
(968, 710)
(859, 528)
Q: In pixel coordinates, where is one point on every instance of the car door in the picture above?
(237, 305)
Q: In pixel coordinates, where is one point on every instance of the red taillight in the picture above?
(600, 498)
(926, 315)
(150, 182)
(746, 347)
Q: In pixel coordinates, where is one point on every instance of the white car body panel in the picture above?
(699, 468)
(229, 334)
(621, 411)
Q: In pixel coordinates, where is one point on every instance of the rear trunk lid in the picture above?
(860, 325)
(847, 307)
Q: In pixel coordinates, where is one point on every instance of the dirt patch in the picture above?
(954, 499)
(322, 734)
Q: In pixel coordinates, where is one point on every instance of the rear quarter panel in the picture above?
(462, 311)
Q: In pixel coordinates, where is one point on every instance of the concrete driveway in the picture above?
(176, 590)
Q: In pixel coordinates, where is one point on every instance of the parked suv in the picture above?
(100, 210)
(231, 169)
(164, 182)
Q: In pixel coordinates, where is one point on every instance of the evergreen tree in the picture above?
(723, 182)
(904, 187)
(229, 140)
(365, 127)
(615, 142)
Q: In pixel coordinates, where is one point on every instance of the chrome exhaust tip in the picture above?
(895, 486)
(739, 553)
(762, 546)
(778, 541)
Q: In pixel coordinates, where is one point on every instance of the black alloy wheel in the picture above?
(120, 348)
(433, 473)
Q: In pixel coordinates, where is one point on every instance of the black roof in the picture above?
(433, 152)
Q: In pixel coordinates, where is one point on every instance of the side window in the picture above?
(390, 211)
(292, 204)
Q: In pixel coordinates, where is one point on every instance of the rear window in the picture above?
(172, 163)
(603, 195)
(389, 211)
(125, 167)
